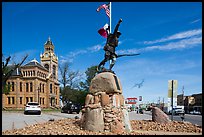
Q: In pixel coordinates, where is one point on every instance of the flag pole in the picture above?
(110, 17)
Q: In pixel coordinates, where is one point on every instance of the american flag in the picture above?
(106, 7)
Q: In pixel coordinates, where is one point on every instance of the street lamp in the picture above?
(38, 94)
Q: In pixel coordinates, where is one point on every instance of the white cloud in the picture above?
(194, 21)
(71, 55)
(181, 35)
(156, 74)
(65, 59)
(95, 48)
(76, 53)
(128, 51)
(186, 43)
(182, 44)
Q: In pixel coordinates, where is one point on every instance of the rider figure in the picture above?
(111, 44)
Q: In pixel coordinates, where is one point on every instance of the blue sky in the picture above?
(167, 34)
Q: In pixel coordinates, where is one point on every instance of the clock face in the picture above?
(46, 55)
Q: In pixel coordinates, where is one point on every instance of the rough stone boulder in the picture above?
(92, 116)
(105, 82)
(159, 116)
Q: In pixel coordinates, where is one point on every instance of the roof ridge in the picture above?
(34, 62)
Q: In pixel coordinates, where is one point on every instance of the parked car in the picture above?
(32, 107)
(141, 111)
(195, 112)
(71, 107)
(177, 111)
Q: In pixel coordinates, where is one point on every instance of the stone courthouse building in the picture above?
(35, 82)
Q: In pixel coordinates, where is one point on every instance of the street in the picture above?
(16, 120)
(194, 119)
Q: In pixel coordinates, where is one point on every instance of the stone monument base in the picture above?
(104, 106)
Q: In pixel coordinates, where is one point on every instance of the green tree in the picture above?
(90, 74)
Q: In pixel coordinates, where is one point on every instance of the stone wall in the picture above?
(104, 106)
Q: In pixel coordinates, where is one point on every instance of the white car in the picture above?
(195, 112)
(32, 107)
(177, 111)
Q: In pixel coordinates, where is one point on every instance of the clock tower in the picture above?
(49, 60)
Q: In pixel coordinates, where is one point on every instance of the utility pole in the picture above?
(183, 94)
(172, 100)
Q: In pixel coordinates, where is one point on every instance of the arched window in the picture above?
(27, 87)
(12, 86)
(50, 88)
(46, 66)
(40, 87)
(31, 87)
(43, 88)
(21, 87)
(54, 71)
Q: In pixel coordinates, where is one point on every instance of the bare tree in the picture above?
(64, 70)
(7, 71)
(69, 80)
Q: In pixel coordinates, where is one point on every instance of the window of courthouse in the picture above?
(9, 100)
(12, 86)
(27, 99)
(50, 88)
(27, 87)
(31, 99)
(13, 100)
(31, 87)
(8, 84)
(40, 100)
(43, 87)
(21, 87)
(21, 100)
(40, 87)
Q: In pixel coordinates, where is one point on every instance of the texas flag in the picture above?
(103, 32)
